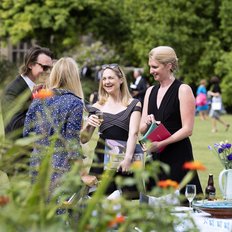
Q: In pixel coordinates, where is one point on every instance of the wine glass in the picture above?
(36, 89)
(100, 117)
(190, 193)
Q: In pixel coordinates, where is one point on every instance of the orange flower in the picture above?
(137, 165)
(194, 165)
(117, 220)
(168, 183)
(4, 200)
(42, 94)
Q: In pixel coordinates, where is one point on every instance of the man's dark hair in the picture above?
(31, 57)
(214, 80)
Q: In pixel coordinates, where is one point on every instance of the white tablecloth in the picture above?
(206, 224)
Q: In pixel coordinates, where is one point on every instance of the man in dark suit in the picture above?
(37, 61)
(138, 89)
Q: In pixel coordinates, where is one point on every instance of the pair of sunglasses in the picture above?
(44, 67)
(111, 66)
(105, 66)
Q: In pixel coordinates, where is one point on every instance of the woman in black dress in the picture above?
(121, 118)
(172, 103)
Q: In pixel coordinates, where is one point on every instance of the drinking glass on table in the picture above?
(190, 193)
(100, 117)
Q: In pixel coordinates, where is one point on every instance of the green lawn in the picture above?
(201, 138)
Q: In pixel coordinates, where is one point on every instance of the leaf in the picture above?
(2, 130)
(27, 140)
(4, 182)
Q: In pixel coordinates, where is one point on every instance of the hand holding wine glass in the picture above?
(95, 119)
(99, 114)
(190, 193)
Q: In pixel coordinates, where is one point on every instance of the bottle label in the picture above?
(211, 196)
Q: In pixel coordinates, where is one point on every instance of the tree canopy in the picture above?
(200, 31)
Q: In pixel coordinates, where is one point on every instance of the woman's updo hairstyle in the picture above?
(165, 55)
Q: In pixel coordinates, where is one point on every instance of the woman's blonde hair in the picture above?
(125, 94)
(165, 55)
(65, 75)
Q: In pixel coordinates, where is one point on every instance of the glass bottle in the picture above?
(210, 190)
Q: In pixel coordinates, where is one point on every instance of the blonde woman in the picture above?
(172, 103)
(121, 117)
(61, 115)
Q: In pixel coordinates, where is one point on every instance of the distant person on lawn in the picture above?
(201, 100)
(216, 105)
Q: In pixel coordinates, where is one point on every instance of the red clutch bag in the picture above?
(156, 133)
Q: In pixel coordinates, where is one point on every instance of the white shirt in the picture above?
(29, 82)
(138, 80)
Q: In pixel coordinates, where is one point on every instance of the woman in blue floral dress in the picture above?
(59, 117)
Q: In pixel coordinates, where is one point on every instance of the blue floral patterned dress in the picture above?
(60, 116)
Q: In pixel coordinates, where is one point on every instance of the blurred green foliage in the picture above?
(8, 71)
(200, 31)
(25, 207)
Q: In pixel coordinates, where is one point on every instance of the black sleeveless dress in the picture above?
(175, 154)
(114, 126)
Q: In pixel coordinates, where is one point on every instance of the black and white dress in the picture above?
(114, 126)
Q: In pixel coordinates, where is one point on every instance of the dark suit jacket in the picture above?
(17, 87)
(141, 88)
